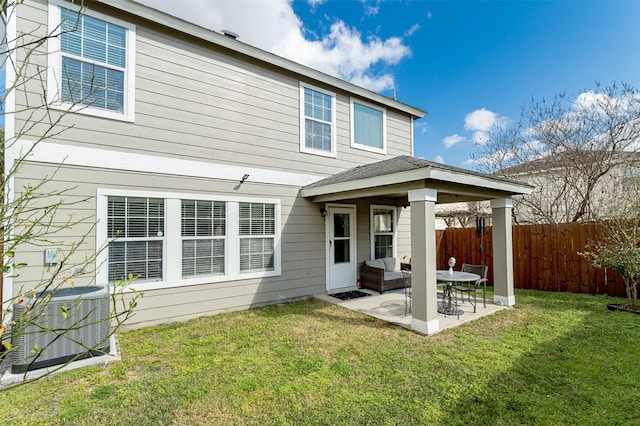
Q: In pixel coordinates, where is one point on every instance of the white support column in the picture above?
(502, 252)
(423, 261)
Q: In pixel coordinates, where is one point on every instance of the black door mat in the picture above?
(347, 295)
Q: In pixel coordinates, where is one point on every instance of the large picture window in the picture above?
(136, 226)
(91, 62)
(368, 127)
(257, 236)
(317, 121)
(382, 231)
(168, 239)
(203, 238)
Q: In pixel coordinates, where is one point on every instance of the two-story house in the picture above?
(224, 176)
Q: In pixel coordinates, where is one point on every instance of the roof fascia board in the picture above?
(424, 173)
(375, 181)
(211, 36)
(392, 190)
(480, 181)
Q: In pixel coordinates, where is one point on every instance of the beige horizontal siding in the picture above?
(403, 234)
(303, 259)
(195, 101)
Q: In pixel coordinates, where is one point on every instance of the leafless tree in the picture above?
(39, 213)
(580, 152)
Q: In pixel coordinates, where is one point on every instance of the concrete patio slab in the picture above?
(390, 307)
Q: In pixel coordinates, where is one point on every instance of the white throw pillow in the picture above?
(376, 263)
(391, 264)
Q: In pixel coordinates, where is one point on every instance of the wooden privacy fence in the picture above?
(545, 257)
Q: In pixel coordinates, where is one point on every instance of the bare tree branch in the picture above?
(574, 150)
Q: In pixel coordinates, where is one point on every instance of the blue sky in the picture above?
(469, 64)
(490, 57)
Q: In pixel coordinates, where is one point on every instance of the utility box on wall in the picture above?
(62, 328)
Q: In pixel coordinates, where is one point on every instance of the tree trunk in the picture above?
(632, 293)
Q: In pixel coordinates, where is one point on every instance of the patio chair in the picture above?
(474, 287)
(475, 269)
(408, 291)
(480, 284)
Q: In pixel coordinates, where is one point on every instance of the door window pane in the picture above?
(341, 251)
(340, 225)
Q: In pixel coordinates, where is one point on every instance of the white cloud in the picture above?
(314, 3)
(274, 27)
(480, 138)
(482, 120)
(411, 31)
(421, 127)
(342, 53)
(439, 159)
(602, 102)
(452, 140)
(371, 9)
(596, 102)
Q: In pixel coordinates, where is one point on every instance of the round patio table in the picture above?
(444, 276)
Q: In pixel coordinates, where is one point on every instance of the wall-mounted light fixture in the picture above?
(323, 212)
(245, 177)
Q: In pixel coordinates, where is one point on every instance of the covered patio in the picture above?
(420, 184)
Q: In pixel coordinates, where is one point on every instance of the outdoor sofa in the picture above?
(382, 274)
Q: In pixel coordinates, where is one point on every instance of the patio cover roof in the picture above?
(396, 176)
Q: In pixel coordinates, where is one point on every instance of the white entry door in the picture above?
(341, 254)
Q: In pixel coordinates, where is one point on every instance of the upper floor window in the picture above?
(368, 128)
(317, 121)
(91, 62)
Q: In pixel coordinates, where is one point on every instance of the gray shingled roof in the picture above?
(393, 165)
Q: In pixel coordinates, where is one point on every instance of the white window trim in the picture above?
(54, 70)
(172, 252)
(352, 116)
(372, 228)
(334, 143)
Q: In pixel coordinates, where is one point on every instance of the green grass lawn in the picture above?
(555, 359)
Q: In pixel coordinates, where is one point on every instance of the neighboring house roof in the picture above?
(252, 52)
(407, 170)
(556, 161)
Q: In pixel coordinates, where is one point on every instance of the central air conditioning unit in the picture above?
(49, 338)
